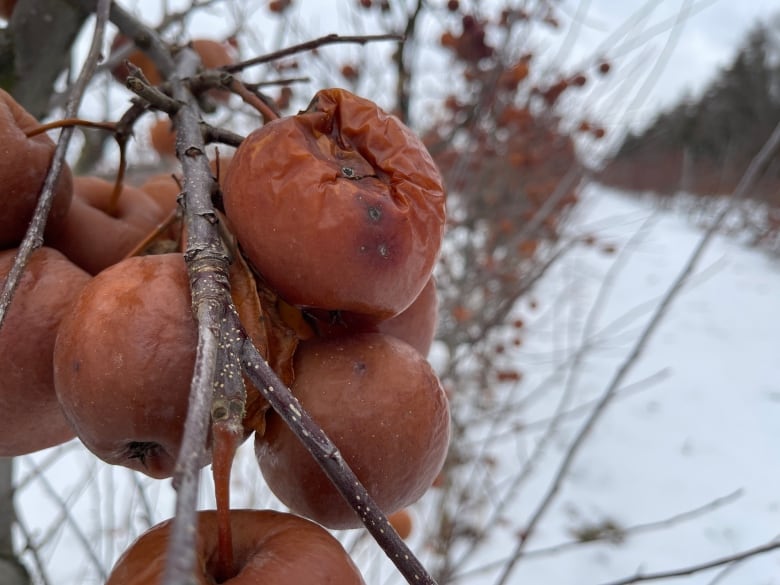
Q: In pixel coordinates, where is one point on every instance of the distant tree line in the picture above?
(703, 146)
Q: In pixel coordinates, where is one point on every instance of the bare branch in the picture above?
(309, 46)
(628, 531)
(691, 570)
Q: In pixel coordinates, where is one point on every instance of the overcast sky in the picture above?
(707, 40)
(655, 62)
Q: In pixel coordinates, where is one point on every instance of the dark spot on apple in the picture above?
(76, 365)
(142, 450)
(374, 214)
(360, 368)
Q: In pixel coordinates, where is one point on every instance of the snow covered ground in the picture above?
(696, 420)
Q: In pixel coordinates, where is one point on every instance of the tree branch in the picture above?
(309, 46)
(685, 571)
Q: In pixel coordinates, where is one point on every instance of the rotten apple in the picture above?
(339, 207)
(382, 405)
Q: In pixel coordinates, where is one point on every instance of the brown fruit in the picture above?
(93, 238)
(137, 58)
(339, 208)
(269, 547)
(123, 362)
(213, 54)
(48, 288)
(7, 8)
(381, 404)
(23, 169)
(402, 522)
(164, 189)
(163, 138)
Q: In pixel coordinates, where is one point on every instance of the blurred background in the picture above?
(607, 307)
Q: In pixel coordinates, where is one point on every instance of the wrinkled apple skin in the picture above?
(269, 547)
(381, 404)
(340, 207)
(32, 417)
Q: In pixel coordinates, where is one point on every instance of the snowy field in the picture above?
(695, 424)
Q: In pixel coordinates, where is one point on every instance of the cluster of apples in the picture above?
(84, 235)
(340, 211)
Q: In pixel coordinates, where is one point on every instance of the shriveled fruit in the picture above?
(32, 415)
(381, 403)
(269, 547)
(92, 236)
(23, 169)
(416, 325)
(123, 362)
(339, 207)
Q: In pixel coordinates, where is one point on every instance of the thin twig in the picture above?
(252, 99)
(309, 46)
(212, 134)
(563, 547)
(754, 170)
(40, 566)
(34, 237)
(692, 569)
(67, 518)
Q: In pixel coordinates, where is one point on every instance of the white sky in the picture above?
(707, 42)
(654, 64)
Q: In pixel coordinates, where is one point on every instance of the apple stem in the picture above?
(225, 442)
(70, 123)
(113, 203)
(161, 228)
(254, 100)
